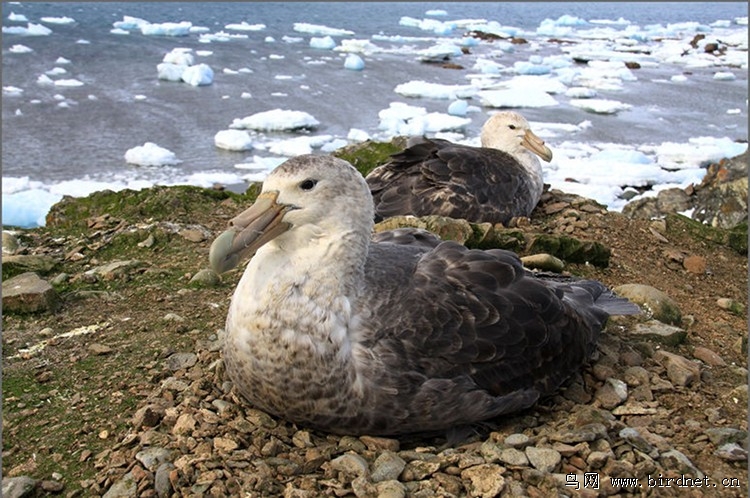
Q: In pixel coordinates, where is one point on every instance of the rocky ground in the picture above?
(113, 382)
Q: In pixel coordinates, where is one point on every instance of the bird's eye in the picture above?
(308, 184)
(512, 126)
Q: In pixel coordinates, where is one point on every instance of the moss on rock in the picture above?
(368, 155)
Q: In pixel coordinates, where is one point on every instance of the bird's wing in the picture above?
(479, 315)
(438, 177)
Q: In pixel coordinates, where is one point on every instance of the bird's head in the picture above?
(509, 131)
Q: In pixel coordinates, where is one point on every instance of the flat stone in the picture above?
(350, 463)
(677, 461)
(612, 393)
(723, 435)
(416, 470)
(27, 293)
(179, 361)
(153, 456)
(513, 456)
(387, 466)
(731, 452)
(99, 349)
(518, 440)
(544, 262)
(680, 370)
(543, 459)
(115, 269)
(485, 481)
(708, 357)
(656, 331)
(380, 443)
(185, 425)
(585, 433)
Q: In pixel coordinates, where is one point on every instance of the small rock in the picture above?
(193, 235)
(731, 452)
(148, 416)
(695, 264)
(588, 432)
(225, 445)
(484, 480)
(179, 361)
(99, 349)
(518, 440)
(380, 443)
(708, 357)
(654, 301)
(390, 489)
(162, 484)
(660, 332)
(731, 305)
(635, 439)
(544, 262)
(205, 278)
(387, 466)
(126, 487)
(351, 464)
(51, 486)
(723, 435)
(680, 370)
(416, 470)
(152, 457)
(115, 269)
(612, 393)
(677, 461)
(27, 293)
(512, 456)
(10, 243)
(635, 376)
(148, 242)
(185, 425)
(543, 459)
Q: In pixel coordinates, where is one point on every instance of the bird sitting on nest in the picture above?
(405, 333)
(495, 183)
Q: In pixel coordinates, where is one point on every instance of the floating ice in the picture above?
(419, 88)
(600, 106)
(27, 208)
(166, 29)
(458, 108)
(276, 120)
(198, 75)
(724, 76)
(30, 30)
(354, 62)
(58, 20)
(236, 140)
(440, 52)
(12, 91)
(17, 17)
(315, 29)
(244, 26)
(150, 154)
(323, 43)
(20, 49)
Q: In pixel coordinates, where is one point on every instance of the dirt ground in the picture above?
(68, 409)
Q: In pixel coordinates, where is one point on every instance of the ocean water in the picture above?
(122, 104)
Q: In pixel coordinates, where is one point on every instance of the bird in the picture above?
(494, 183)
(333, 328)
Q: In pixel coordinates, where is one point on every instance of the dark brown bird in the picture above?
(493, 183)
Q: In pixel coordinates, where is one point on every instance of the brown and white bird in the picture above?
(493, 183)
(332, 329)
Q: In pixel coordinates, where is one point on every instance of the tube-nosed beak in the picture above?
(248, 231)
(536, 145)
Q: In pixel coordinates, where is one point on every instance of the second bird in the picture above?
(493, 183)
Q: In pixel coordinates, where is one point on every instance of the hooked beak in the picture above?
(248, 231)
(536, 145)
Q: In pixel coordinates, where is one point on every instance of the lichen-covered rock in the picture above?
(721, 199)
(656, 302)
